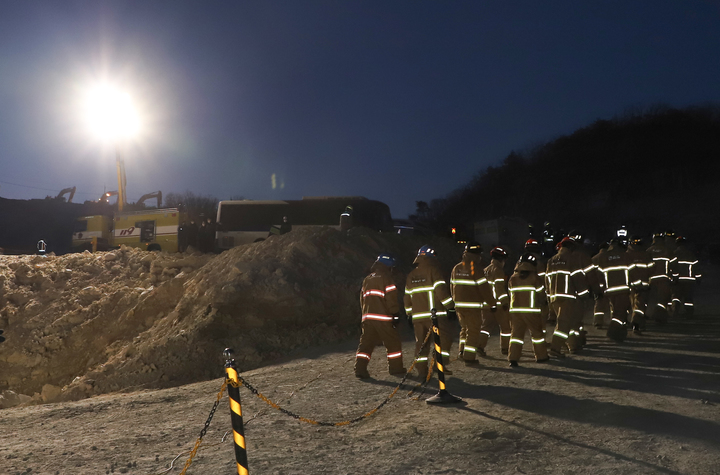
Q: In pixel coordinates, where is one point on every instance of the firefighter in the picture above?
(470, 292)
(380, 314)
(532, 246)
(425, 290)
(346, 218)
(527, 292)
(496, 314)
(640, 265)
(660, 288)
(592, 280)
(602, 304)
(686, 276)
(615, 267)
(564, 284)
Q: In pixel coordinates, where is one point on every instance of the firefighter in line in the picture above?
(564, 283)
(346, 218)
(602, 304)
(42, 247)
(471, 293)
(527, 292)
(685, 276)
(592, 280)
(380, 314)
(640, 265)
(532, 246)
(615, 267)
(425, 290)
(497, 314)
(660, 283)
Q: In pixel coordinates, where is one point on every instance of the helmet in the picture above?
(680, 240)
(658, 235)
(473, 247)
(426, 250)
(531, 243)
(575, 235)
(566, 242)
(498, 253)
(622, 232)
(670, 233)
(386, 259)
(527, 257)
(636, 241)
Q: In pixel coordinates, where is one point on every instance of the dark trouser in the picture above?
(683, 296)
(471, 321)
(563, 309)
(493, 319)
(638, 301)
(619, 307)
(521, 322)
(662, 292)
(422, 326)
(602, 308)
(375, 332)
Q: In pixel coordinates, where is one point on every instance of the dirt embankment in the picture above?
(86, 324)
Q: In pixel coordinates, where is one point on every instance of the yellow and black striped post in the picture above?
(443, 396)
(236, 413)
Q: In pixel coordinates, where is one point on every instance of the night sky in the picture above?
(397, 101)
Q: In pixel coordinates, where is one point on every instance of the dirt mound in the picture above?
(85, 324)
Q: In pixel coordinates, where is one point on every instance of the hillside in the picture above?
(651, 170)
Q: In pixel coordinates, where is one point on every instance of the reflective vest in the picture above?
(495, 276)
(378, 298)
(640, 267)
(468, 285)
(662, 260)
(426, 289)
(564, 278)
(615, 267)
(526, 295)
(685, 264)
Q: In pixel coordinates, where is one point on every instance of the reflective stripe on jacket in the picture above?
(425, 289)
(495, 275)
(685, 266)
(526, 295)
(615, 266)
(378, 298)
(468, 285)
(564, 278)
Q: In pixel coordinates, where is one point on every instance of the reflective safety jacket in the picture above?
(495, 276)
(425, 289)
(468, 285)
(379, 298)
(662, 260)
(615, 267)
(526, 294)
(593, 277)
(685, 265)
(564, 278)
(640, 267)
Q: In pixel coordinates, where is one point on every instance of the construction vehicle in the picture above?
(66, 190)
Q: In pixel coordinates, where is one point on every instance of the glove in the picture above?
(395, 320)
(451, 314)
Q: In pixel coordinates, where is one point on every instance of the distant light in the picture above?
(453, 230)
(110, 114)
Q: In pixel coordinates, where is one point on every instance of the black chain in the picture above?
(209, 419)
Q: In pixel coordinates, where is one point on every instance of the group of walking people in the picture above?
(620, 280)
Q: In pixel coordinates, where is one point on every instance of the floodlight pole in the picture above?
(120, 164)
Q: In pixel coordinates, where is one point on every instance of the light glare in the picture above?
(111, 114)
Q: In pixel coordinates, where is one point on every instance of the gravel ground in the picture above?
(649, 405)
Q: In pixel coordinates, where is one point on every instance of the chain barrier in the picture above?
(205, 428)
(298, 417)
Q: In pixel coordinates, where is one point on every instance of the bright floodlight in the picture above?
(111, 114)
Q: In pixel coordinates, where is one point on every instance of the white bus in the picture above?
(246, 221)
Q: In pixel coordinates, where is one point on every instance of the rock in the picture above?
(110, 257)
(50, 393)
(11, 399)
